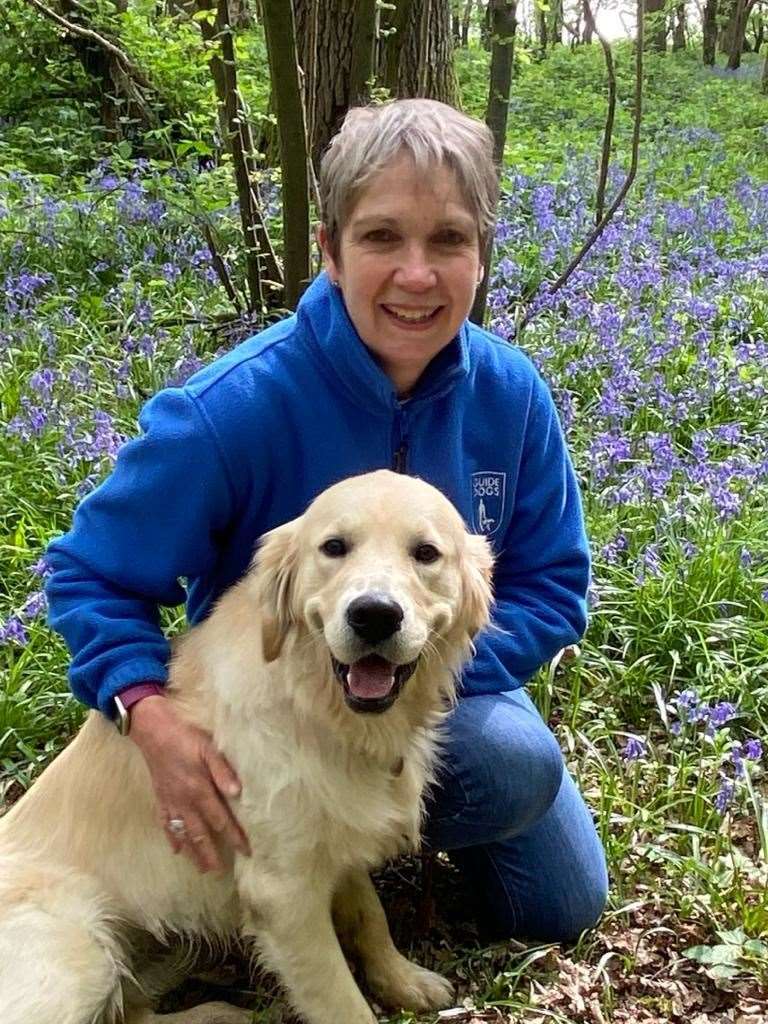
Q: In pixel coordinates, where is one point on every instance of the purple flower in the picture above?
(753, 750)
(41, 568)
(635, 749)
(722, 713)
(724, 797)
(35, 604)
(13, 632)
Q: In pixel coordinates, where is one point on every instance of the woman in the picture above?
(378, 368)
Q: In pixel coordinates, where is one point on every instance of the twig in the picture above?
(598, 230)
(608, 134)
(221, 269)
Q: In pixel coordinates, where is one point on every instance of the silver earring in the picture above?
(335, 284)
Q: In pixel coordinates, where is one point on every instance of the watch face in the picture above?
(121, 719)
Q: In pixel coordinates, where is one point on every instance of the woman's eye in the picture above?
(380, 235)
(334, 547)
(450, 238)
(426, 553)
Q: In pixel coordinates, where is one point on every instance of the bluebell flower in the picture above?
(634, 749)
(725, 795)
(13, 631)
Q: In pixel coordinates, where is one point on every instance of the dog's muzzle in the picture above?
(372, 684)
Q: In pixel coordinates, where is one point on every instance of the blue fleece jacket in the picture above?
(251, 439)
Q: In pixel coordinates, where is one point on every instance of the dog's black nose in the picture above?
(374, 617)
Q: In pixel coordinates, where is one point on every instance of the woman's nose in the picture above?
(415, 270)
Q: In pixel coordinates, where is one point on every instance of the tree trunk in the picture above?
(709, 28)
(485, 30)
(363, 44)
(678, 33)
(324, 35)
(743, 10)
(542, 33)
(765, 73)
(657, 25)
(504, 26)
(556, 16)
(728, 14)
(426, 61)
(588, 30)
(238, 140)
(465, 22)
(286, 90)
(396, 25)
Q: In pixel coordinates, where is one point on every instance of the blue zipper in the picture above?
(400, 446)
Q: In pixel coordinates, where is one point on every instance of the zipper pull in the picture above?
(398, 465)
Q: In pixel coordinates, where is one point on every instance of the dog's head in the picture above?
(382, 571)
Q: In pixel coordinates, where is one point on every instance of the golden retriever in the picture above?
(324, 675)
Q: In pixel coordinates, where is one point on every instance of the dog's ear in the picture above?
(476, 583)
(275, 562)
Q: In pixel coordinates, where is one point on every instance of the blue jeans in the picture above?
(514, 823)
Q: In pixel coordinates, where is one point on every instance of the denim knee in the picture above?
(525, 783)
(497, 781)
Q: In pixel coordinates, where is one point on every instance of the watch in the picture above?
(122, 717)
(125, 700)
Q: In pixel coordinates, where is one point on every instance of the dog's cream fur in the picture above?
(328, 792)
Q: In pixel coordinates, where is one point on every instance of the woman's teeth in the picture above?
(409, 316)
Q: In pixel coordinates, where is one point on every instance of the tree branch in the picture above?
(87, 33)
(608, 134)
(598, 230)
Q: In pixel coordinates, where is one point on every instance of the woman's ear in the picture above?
(476, 584)
(329, 262)
(275, 565)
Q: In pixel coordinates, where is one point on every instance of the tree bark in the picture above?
(325, 32)
(657, 25)
(709, 28)
(363, 43)
(286, 91)
(426, 61)
(542, 32)
(396, 25)
(503, 28)
(742, 12)
(678, 34)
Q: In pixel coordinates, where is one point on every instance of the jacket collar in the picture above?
(324, 318)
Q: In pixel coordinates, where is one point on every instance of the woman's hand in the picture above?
(192, 782)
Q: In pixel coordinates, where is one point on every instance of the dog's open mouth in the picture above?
(372, 683)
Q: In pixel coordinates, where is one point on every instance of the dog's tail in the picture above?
(60, 957)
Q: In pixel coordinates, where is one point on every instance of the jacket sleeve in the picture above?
(541, 575)
(153, 522)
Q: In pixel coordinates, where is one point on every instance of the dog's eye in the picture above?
(426, 553)
(334, 547)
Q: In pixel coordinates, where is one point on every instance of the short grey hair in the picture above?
(431, 133)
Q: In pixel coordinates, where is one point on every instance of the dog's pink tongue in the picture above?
(371, 677)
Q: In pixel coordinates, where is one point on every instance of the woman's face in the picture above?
(408, 266)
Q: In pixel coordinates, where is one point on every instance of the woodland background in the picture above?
(157, 198)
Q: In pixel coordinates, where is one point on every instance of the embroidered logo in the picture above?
(488, 494)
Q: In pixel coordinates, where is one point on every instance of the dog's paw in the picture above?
(404, 984)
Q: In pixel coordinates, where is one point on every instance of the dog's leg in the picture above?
(363, 929)
(206, 1013)
(291, 924)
